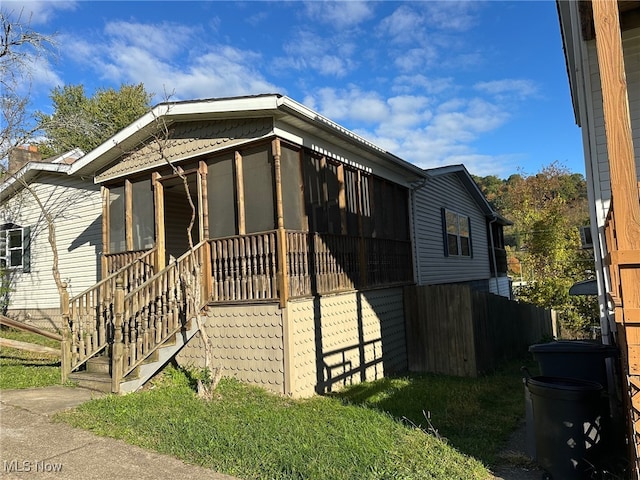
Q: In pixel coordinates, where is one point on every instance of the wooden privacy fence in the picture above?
(454, 330)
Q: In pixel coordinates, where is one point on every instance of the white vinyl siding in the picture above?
(76, 208)
(433, 267)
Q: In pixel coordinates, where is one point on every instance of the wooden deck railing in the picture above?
(152, 313)
(88, 317)
(120, 260)
(388, 261)
(336, 262)
(325, 263)
(244, 267)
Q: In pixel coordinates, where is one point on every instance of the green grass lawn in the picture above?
(366, 431)
(247, 432)
(22, 369)
(475, 415)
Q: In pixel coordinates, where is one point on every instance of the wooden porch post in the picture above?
(207, 281)
(158, 200)
(342, 199)
(65, 352)
(117, 349)
(128, 214)
(283, 275)
(362, 253)
(204, 207)
(237, 164)
(105, 232)
(626, 205)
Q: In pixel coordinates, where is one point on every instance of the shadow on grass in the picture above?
(474, 415)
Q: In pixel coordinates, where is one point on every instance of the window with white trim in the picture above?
(457, 230)
(15, 247)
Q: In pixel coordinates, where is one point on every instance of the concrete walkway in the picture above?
(33, 447)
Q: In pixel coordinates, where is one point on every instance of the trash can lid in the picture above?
(562, 383)
(573, 346)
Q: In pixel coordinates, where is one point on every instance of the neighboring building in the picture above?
(302, 244)
(601, 46)
(25, 253)
(469, 245)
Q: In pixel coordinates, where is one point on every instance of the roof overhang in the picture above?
(27, 174)
(277, 106)
(576, 24)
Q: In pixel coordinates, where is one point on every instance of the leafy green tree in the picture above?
(547, 208)
(86, 122)
(493, 188)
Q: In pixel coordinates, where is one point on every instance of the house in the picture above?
(601, 44)
(469, 248)
(284, 237)
(74, 205)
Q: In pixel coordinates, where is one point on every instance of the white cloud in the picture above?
(166, 62)
(508, 87)
(34, 12)
(415, 58)
(165, 39)
(422, 84)
(308, 51)
(451, 14)
(341, 14)
(421, 129)
(402, 26)
(352, 104)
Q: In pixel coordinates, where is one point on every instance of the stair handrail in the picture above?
(88, 317)
(156, 310)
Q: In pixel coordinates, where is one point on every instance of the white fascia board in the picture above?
(260, 105)
(76, 153)
(26, 175)
(171, 111)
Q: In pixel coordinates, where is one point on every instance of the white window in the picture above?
(457, 234)
(15, 247)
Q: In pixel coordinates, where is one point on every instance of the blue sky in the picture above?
(436, 83)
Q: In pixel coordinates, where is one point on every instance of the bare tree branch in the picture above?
(162, 139)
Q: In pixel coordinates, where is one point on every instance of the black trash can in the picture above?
(579, 359)
(567, 417)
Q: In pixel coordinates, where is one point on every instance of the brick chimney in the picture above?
(20, 156)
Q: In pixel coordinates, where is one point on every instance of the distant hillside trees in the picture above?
(544, 248)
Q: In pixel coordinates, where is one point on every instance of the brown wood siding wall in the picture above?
(454, 330)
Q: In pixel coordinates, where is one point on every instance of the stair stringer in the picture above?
(147, 370)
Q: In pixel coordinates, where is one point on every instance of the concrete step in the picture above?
(101, 364)
(93, 381)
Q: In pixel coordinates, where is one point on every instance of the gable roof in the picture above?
(280, 107)
(472, 187)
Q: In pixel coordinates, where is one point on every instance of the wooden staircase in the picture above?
(127, 327)
(97, 372)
